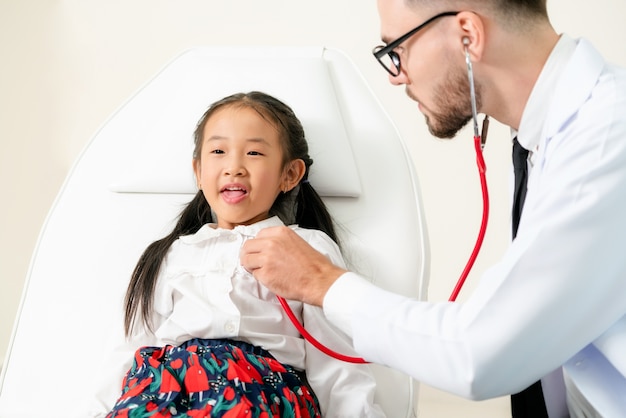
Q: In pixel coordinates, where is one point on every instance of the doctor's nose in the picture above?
(399, 79)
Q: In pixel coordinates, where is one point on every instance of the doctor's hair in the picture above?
(301, 205)
(514, 12)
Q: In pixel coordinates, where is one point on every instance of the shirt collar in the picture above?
(211, 230)
(536, 110)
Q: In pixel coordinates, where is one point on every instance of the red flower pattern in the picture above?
(203, 378)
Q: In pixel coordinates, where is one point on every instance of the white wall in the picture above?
(65, 66)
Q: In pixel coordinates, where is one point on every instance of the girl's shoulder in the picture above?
(318, 240)
(310, 234)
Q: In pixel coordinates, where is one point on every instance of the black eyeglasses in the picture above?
(388, 58)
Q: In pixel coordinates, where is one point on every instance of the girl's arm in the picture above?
(109, 371)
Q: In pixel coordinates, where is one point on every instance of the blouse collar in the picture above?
(211, 230)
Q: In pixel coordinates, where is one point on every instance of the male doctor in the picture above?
(561, 285)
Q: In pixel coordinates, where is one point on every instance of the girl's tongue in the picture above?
(233, 195)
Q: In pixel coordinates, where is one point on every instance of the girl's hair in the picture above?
(301, 205)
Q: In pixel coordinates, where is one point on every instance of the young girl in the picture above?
(214, 342)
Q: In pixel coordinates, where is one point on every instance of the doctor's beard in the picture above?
(452, 108)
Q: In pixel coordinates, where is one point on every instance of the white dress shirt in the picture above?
(203, 292)
(562, 283)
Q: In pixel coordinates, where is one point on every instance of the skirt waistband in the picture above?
(220, 342)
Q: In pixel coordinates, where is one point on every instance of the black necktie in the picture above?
(529, 403)
(520, 169)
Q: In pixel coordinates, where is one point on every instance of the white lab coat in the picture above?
(560, 286)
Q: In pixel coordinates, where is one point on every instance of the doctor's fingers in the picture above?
(270, 272)
(261, 254)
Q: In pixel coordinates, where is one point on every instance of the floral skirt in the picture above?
(213, 378)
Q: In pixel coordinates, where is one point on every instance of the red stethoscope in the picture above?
(479, 143)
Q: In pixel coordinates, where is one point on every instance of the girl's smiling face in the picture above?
(241, 168)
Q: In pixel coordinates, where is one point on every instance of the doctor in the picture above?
(562, 283)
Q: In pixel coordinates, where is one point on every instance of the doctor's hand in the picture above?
(288, 266)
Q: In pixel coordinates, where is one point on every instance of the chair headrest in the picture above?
(169, 107)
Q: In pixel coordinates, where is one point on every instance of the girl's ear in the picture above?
(293, 174)
(197, 171)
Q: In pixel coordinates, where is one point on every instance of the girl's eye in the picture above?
(254, 153)
(217, 151)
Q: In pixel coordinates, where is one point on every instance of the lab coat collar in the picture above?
(574, 87)
(571, 89)
(209, 231)
(539, 102)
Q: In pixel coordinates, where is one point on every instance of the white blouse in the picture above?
(203, 292)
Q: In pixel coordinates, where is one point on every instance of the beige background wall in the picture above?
(65, 66)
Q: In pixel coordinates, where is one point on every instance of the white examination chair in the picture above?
(135, 175)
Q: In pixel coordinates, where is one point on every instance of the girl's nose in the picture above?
(235, 168)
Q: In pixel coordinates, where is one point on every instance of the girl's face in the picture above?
(240, 169)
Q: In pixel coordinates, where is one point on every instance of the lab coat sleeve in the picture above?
(343, 389)
(560, 285)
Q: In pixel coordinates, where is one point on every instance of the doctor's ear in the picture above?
(471, 31)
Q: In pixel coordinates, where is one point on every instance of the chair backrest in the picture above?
(133, 178)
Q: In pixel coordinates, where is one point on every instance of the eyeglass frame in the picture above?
(382, 50)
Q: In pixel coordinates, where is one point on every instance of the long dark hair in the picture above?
(301, 205)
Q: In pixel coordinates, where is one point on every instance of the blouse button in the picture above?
(229, 327)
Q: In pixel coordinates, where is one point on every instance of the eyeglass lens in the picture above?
(391, 62)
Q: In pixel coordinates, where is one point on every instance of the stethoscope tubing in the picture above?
(479, 143)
